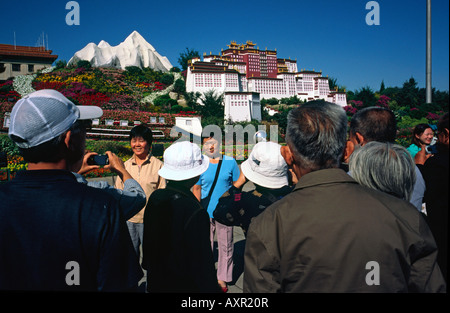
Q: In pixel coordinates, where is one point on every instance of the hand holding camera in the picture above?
(98, 159)
(109, 160)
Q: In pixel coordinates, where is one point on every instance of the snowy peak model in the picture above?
(134, 51)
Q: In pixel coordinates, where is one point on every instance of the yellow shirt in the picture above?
(147, 176)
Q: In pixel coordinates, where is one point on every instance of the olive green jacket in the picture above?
(332, 235)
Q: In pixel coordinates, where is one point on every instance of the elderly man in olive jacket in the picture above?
(331, 234)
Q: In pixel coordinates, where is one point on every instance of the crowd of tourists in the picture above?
(340, 208)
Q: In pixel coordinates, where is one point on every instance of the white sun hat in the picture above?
(183, 160)
(45, 114)
(266, 166)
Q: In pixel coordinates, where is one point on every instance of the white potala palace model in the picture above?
(245, 75)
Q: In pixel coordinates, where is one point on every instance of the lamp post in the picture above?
(428, 69)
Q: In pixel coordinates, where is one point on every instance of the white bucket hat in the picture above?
(183, 160)
(266, 166)
(45, 114)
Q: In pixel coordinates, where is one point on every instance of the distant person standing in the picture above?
(55, 233)
(422, 137)
(436, 174)
(228, 173)
(144, 168)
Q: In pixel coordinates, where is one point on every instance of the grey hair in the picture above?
(386, 167)
(316, 133)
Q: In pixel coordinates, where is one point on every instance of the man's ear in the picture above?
(67, 139)
(286, 153)
(349, 148)
(446, 136)
(360, 139)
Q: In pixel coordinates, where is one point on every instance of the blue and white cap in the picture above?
(44, 115)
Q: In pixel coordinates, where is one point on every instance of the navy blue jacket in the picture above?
(58, 234)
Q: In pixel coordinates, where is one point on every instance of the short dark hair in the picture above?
(374, 124)
(209, 135)
(142, 131)
(418, 130)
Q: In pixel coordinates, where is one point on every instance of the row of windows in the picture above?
(208, 80)
(18, 67)
(109, 122)
(231, 80)
(239, 103)
(305, 86)
(238, 97)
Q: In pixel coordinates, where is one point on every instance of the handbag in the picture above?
(205, 201)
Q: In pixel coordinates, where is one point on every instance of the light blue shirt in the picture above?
(413, 150)
(229, 173)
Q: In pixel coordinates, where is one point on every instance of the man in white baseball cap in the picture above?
(42, 120)
(49, 223)
(177, 251)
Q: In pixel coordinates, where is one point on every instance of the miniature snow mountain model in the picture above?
(134, 51)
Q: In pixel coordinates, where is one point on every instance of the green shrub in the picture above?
(166, 79)
(84, 64)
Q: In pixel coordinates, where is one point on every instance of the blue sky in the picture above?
(326, 35)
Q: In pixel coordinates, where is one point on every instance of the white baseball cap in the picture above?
(266, 166)
(44, 115)
(183, 160)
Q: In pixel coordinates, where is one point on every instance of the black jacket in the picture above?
(435, 172)
(236, 208)
(176, 247)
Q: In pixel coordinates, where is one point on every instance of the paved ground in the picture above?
(234, 286)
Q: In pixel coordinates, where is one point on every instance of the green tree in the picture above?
(382, 87)
(61, 64)
(367, 96)
(85, 64)
(409, 95)
(166, 79)
(179, 86)
(211, 104)
(192, 99)
(186, 56)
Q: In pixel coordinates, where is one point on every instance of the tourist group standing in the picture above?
(312, 224)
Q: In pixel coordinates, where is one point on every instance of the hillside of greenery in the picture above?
(137, 94)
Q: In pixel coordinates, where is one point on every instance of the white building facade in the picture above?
(246, 74)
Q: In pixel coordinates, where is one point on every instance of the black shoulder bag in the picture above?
(205, 201)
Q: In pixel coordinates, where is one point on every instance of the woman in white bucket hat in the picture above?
(176, 249)
(268, 171)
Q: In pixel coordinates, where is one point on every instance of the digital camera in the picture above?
(432, 149)
(99, 160)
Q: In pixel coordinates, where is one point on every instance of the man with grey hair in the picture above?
(331, 234)
(379, 124)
